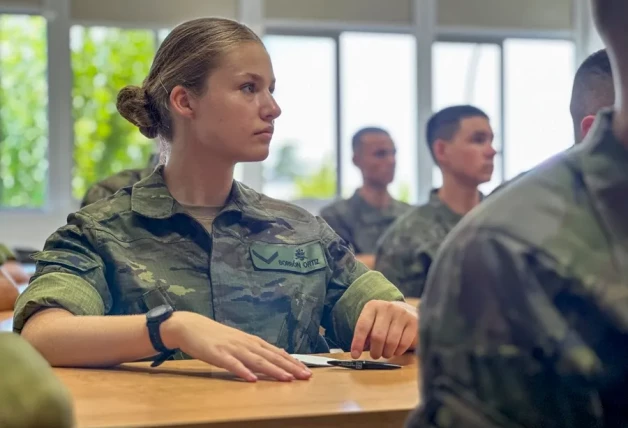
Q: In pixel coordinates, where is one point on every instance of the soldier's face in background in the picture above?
(375, 157)
(469, 154)
(234, 117)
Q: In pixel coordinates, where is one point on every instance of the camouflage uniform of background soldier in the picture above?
(524, 318)
(361, 224)
(5, 254)
(8, 292)
(405, 252)
(110, 185)
(268, 268)
(30, 395)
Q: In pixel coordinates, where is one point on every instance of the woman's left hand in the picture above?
(387, 328)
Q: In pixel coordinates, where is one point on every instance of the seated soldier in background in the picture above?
(10, 273)
(524, 318)
(362, 219)
(460, 139)
(30, 394)
(112, 184)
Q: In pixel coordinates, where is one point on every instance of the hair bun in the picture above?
(134, 105)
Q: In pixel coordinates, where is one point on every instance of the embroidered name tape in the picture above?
(301, 259)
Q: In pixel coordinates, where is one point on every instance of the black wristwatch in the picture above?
(154, 318)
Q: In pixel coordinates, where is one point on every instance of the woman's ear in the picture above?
(180, 102)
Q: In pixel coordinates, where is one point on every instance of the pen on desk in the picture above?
(363, 365)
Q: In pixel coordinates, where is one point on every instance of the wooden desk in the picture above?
(6, 320)
(192, 394)
(414, 301)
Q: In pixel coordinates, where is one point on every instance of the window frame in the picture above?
(499, 40)
(59, 200)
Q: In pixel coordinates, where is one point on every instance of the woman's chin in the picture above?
(257, 154)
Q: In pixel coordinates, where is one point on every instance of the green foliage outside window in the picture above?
(23, 111)
(103, 61)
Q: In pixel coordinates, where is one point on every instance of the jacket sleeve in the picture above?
(70, 275)
(351, 285)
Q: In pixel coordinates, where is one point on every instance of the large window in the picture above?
(23, 111)
(302, 161)
(469, 73)
(535, 105)
(378, 88)
(103, 61)
(538, 80)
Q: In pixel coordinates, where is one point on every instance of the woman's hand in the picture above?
(231, 349)
(387, 328)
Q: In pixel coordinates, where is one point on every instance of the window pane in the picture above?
(378, 83)
(23, 111)
(538, 124)
(302, 161)
(103, 61)
(469, 73)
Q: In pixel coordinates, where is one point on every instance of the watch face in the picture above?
(159, 311)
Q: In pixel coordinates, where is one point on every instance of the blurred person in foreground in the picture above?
(524, 319)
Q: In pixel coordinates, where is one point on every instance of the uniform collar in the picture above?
(151, 198)
(436, 202)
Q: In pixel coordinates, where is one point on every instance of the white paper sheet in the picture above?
(313, 361)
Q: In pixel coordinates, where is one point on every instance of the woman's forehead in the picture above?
(248, 58)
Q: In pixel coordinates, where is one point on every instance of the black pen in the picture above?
(363, 365)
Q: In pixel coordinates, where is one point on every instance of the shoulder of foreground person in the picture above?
(30, 394)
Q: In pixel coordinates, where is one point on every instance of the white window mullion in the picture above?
(61, 140)
(251, 13)
(424, 30)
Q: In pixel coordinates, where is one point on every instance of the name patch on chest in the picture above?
(301, 259)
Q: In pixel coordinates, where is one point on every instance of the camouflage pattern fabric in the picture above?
(30, 394)
(361, 224)
(405, 252)
(110, 185)
(5, 254)
(268, 268)
(524, 318)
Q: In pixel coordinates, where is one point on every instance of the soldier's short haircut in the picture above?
(444, 124)
(357, 137)
(592, 89)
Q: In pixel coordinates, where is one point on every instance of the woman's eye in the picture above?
(249, 87)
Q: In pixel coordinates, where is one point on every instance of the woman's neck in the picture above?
(198, 179)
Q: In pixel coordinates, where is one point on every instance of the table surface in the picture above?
(193, 394)
(414, 301)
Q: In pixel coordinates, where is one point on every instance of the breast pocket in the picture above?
(149, 273)
(273, 291)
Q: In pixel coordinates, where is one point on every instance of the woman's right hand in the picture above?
(231, 349)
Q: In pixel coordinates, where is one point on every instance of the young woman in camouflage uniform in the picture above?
(251, 278)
